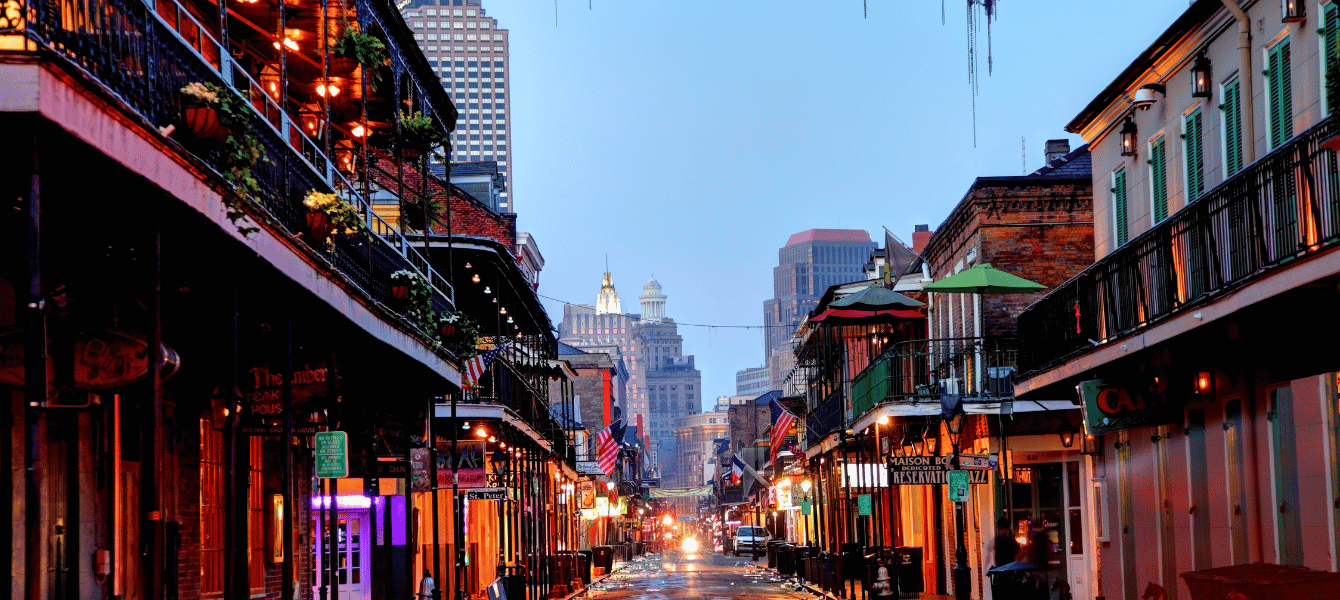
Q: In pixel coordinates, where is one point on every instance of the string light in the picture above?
(358, 131)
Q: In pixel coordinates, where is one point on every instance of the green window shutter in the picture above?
(1330, 48)
(1195, 157)
(1119, 207)
(1232, 108)
(1280, 89)
(1158, 177)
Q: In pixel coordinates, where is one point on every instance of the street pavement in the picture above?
(703, 575)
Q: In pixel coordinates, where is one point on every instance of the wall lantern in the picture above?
(932, 442)
(1092, 444)
(1293, 11)
(1200, 76)
(1204, 383)
(918, 443)
(1067, 434)
(1128, 137)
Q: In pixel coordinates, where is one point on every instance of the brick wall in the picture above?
(469, 216)
(1039, 230)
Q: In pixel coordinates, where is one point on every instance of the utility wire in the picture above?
(641, 320)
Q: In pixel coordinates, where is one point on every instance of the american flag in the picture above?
(782, 420)
(477, 366)
(607, 450)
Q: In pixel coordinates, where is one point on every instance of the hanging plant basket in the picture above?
(319, 226)
(202, 124)
(449, 331)
(410, 153)
(342, 66)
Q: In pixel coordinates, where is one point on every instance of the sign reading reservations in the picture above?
(927, 470)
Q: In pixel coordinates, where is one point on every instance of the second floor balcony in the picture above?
(924, 371)
(1271, 217)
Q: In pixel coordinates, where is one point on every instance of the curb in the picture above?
(585, 590)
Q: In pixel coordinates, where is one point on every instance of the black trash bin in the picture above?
(786, 559)
(584, 565)
(512, 582)
(853, 561)
(773, 545)
(603, 558)
(639, 548)
(909, 570)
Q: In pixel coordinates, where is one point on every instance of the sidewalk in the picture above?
(618, 566)
(855, 585)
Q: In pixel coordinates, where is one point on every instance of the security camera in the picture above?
(1144, 97)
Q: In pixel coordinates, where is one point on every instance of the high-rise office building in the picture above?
(470, 54)
(809, 263)
(663, 384)
(752, 381)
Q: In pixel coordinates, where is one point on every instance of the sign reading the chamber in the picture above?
(332, 454)
(926, 470)
(1111, 407)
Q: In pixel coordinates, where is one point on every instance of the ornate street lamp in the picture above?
(1200, 76)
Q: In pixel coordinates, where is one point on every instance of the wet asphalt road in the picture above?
(698, 576)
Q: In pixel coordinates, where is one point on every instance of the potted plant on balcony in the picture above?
(353, 48)
(419, 134)
(400, 284)
(328, 214)
(460, 334)
(415, 300)
(412, 212)
(200, 115)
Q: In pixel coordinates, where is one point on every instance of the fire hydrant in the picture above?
(882, 586)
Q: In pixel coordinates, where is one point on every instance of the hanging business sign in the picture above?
(586, 495)
(926, 470)
(468, 462)
(589, 467)
(1110, 407)
(263, 389)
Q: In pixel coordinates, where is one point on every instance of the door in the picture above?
(1042, 516)
(350, 557)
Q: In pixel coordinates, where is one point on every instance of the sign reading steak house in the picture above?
(926, 470)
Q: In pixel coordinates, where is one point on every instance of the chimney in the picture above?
(920, 237)
(1057, 149)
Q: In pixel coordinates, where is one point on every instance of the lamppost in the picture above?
(952, 412)
(805, 485)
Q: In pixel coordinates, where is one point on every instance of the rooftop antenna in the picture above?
(607, 263)
(1023, 157)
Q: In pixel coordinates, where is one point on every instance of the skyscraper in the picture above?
(807, 265)
(663, 383)
(470, 54)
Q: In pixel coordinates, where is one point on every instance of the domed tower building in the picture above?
(653, 301)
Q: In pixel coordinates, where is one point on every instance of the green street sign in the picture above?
(332, 454)
(958, 486)
(864, 505)
(806, 508)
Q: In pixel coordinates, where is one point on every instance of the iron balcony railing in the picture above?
(143, 54)
(924, 370)
(1283, 207)
(824, 418)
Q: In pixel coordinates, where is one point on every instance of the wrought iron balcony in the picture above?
(1282, 208)
(142, 53)
(924, 370)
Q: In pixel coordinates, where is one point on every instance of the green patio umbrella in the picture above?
(983, 279)
(875, 297)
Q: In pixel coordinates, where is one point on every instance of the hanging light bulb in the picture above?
(509, 319)
(467, 265)
(358, 131)
(502, 310)
(475, 278)
(488, 291)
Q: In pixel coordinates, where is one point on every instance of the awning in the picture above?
(828, 443)
(689, 492)
(848, 316)
(929, 409)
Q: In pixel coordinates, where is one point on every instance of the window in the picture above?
(432, 12)
(1119, 207)
(483, 24)
(256, 518)
(458, 25)
(418, 24)
(469, 24)
(1195, 157)
(469, 13)
(1279, 94)
(1158, 179)
(457, 13)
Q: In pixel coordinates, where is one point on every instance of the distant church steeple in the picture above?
(607, 301)
(653, 301)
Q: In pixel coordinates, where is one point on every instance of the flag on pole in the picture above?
(782, 420)
(477, 366)
(607, 450)
(736, 469)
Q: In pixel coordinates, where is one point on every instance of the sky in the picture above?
(689, 139)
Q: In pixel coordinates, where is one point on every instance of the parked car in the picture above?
(750, 539)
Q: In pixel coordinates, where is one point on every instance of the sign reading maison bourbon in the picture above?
(926, 470)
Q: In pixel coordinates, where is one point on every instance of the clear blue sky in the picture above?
(689, 139)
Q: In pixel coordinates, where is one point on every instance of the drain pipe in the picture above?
(1245, 80)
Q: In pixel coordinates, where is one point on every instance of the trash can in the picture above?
(639, 548)
(853, 561)
(787, 561)
(513, 581)
(909, 570)
(773, 545)
(584, 565)
(603, 558)
(1261, 581)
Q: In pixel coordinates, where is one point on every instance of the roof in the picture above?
(829, 235)
(569, 349)
(767, 397)
(1077, 165)
(1197, 13)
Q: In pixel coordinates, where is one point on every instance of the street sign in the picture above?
(487, 494)
(332, 454)
(806, 508)
(958, 486)
(864, 505)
